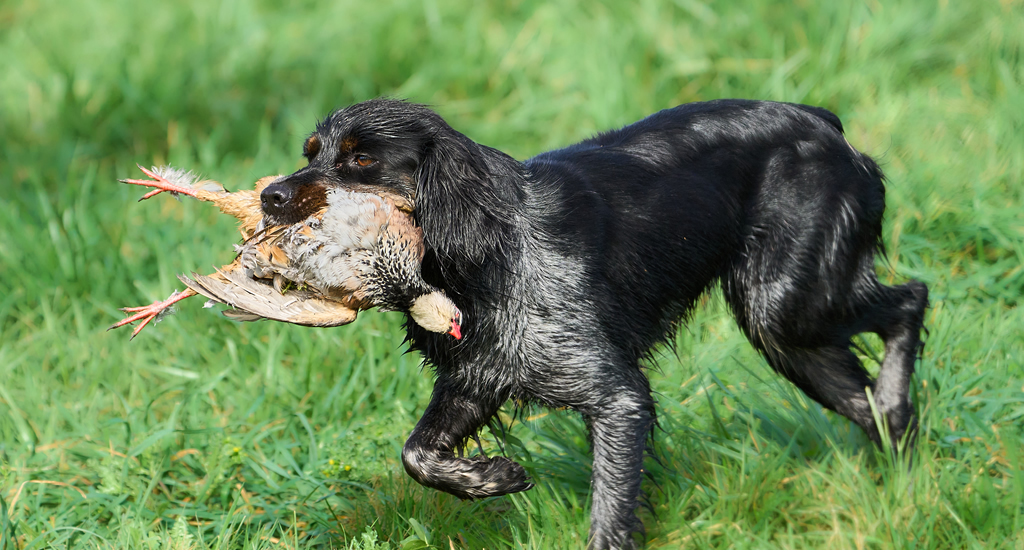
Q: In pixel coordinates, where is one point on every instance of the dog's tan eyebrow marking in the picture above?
(311, 147)
(348, 144)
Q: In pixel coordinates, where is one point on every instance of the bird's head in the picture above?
(437, 313)
(455, 325)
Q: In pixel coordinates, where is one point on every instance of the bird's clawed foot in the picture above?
(150, 312)
(160, 184)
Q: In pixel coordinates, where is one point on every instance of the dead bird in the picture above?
(357, 251)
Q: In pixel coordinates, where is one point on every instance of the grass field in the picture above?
(205, 433)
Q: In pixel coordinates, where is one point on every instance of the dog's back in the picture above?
(660, 209)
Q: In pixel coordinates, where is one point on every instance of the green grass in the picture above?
(205, 433)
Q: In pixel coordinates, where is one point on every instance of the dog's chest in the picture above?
(546, 330)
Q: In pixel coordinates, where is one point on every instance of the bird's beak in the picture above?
(456, 330)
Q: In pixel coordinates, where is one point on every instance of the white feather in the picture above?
(187, 178)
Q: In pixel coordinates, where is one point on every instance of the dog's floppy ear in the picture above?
(466, 198)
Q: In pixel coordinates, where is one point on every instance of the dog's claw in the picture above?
(147, 313)
(160, 184)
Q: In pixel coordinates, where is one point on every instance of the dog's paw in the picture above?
(467, 478)
(489, 477)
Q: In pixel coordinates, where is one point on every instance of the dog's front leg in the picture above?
(619, 429)
(429, 454)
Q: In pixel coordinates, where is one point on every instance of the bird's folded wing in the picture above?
(254, 298)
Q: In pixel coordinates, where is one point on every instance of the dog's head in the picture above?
(372, 147)
(456, 188)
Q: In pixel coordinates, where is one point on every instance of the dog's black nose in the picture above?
(276, 199)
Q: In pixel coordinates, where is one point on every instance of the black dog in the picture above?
(570, 266)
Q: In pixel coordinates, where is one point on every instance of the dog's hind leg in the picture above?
(898, 318)
(803, 283)
(832, 375)
(804, 332)
(429, 454)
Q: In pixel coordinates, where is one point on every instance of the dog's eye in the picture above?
(364, 160)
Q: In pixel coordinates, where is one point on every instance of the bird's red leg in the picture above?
(161, 184)
(150, 312)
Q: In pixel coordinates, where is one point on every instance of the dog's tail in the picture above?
(824, 114)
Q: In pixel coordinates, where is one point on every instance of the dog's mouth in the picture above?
(285, 203)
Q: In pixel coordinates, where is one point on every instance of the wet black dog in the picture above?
(570, 266)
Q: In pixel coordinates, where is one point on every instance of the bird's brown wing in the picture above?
(255, 298)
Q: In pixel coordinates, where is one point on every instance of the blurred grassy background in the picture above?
(204, 433)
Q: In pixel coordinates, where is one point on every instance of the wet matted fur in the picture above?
(570, 266)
